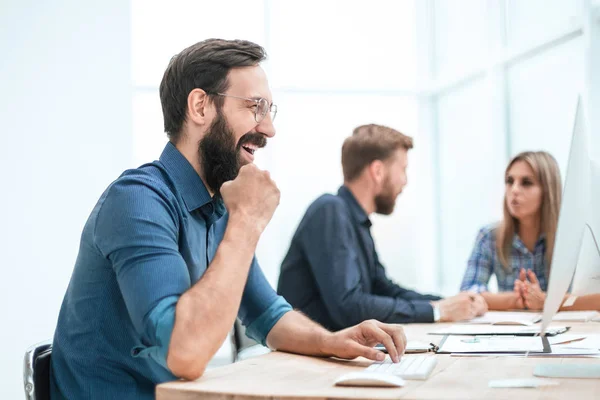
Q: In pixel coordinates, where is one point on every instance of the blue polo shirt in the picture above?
(150, 237)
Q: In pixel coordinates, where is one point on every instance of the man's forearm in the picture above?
(296, 333)
(500, 301)
(206, 312)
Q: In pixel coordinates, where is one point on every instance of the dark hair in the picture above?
(204, 65)
(369, 143)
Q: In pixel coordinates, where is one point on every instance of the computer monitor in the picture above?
(576, 251)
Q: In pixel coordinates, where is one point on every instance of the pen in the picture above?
(571, 341)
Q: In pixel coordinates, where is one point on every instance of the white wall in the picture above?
(65, 107)
(471, 162)
(543, 96)
(591, 45)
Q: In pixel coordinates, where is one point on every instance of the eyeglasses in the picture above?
(262, 106)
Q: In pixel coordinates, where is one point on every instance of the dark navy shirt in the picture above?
(150, 237)
(332, 273)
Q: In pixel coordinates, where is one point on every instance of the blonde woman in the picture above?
(518, 250)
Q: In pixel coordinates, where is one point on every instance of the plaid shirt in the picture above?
(484, 262)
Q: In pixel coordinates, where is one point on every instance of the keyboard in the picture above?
(409, 367)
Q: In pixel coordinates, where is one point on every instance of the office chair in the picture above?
(36, 371)
(244, 347)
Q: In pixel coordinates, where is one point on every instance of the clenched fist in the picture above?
(251, 198)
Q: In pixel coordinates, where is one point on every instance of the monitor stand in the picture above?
(567, 370)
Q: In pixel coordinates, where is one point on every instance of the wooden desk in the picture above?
(281, 375)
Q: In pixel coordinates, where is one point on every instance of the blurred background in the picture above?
(473, 81)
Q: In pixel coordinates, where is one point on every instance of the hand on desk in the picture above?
(463, 306)
(528, 288)
(358, 341)
(481, 306)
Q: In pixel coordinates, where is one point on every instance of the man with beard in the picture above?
(166, 261)
(332, 272)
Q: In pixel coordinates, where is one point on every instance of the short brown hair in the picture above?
(369, 143)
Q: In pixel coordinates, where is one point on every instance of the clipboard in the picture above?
(443, 347)
(491, 330)
(419, 347)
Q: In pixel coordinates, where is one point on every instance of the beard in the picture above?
(386, 200)
(220, 156)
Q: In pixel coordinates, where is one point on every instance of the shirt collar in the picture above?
(519, 245)
(187, 180)
(355, 208)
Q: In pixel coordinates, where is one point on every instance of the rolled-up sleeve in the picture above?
(137, 231)
(261, 306)
(480, 264)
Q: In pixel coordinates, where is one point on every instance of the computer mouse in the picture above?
(369, 379)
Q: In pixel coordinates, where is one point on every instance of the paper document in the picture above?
(556, 352)
(576, 316)
(497, 330)
(507, 318)
(565, 345)
(490, 344)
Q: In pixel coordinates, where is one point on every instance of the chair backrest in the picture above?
(36, 371)
(239, 336)
(244, 346)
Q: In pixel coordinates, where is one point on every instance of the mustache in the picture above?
(256, 139)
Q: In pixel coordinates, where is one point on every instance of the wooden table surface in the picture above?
(287, 376)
